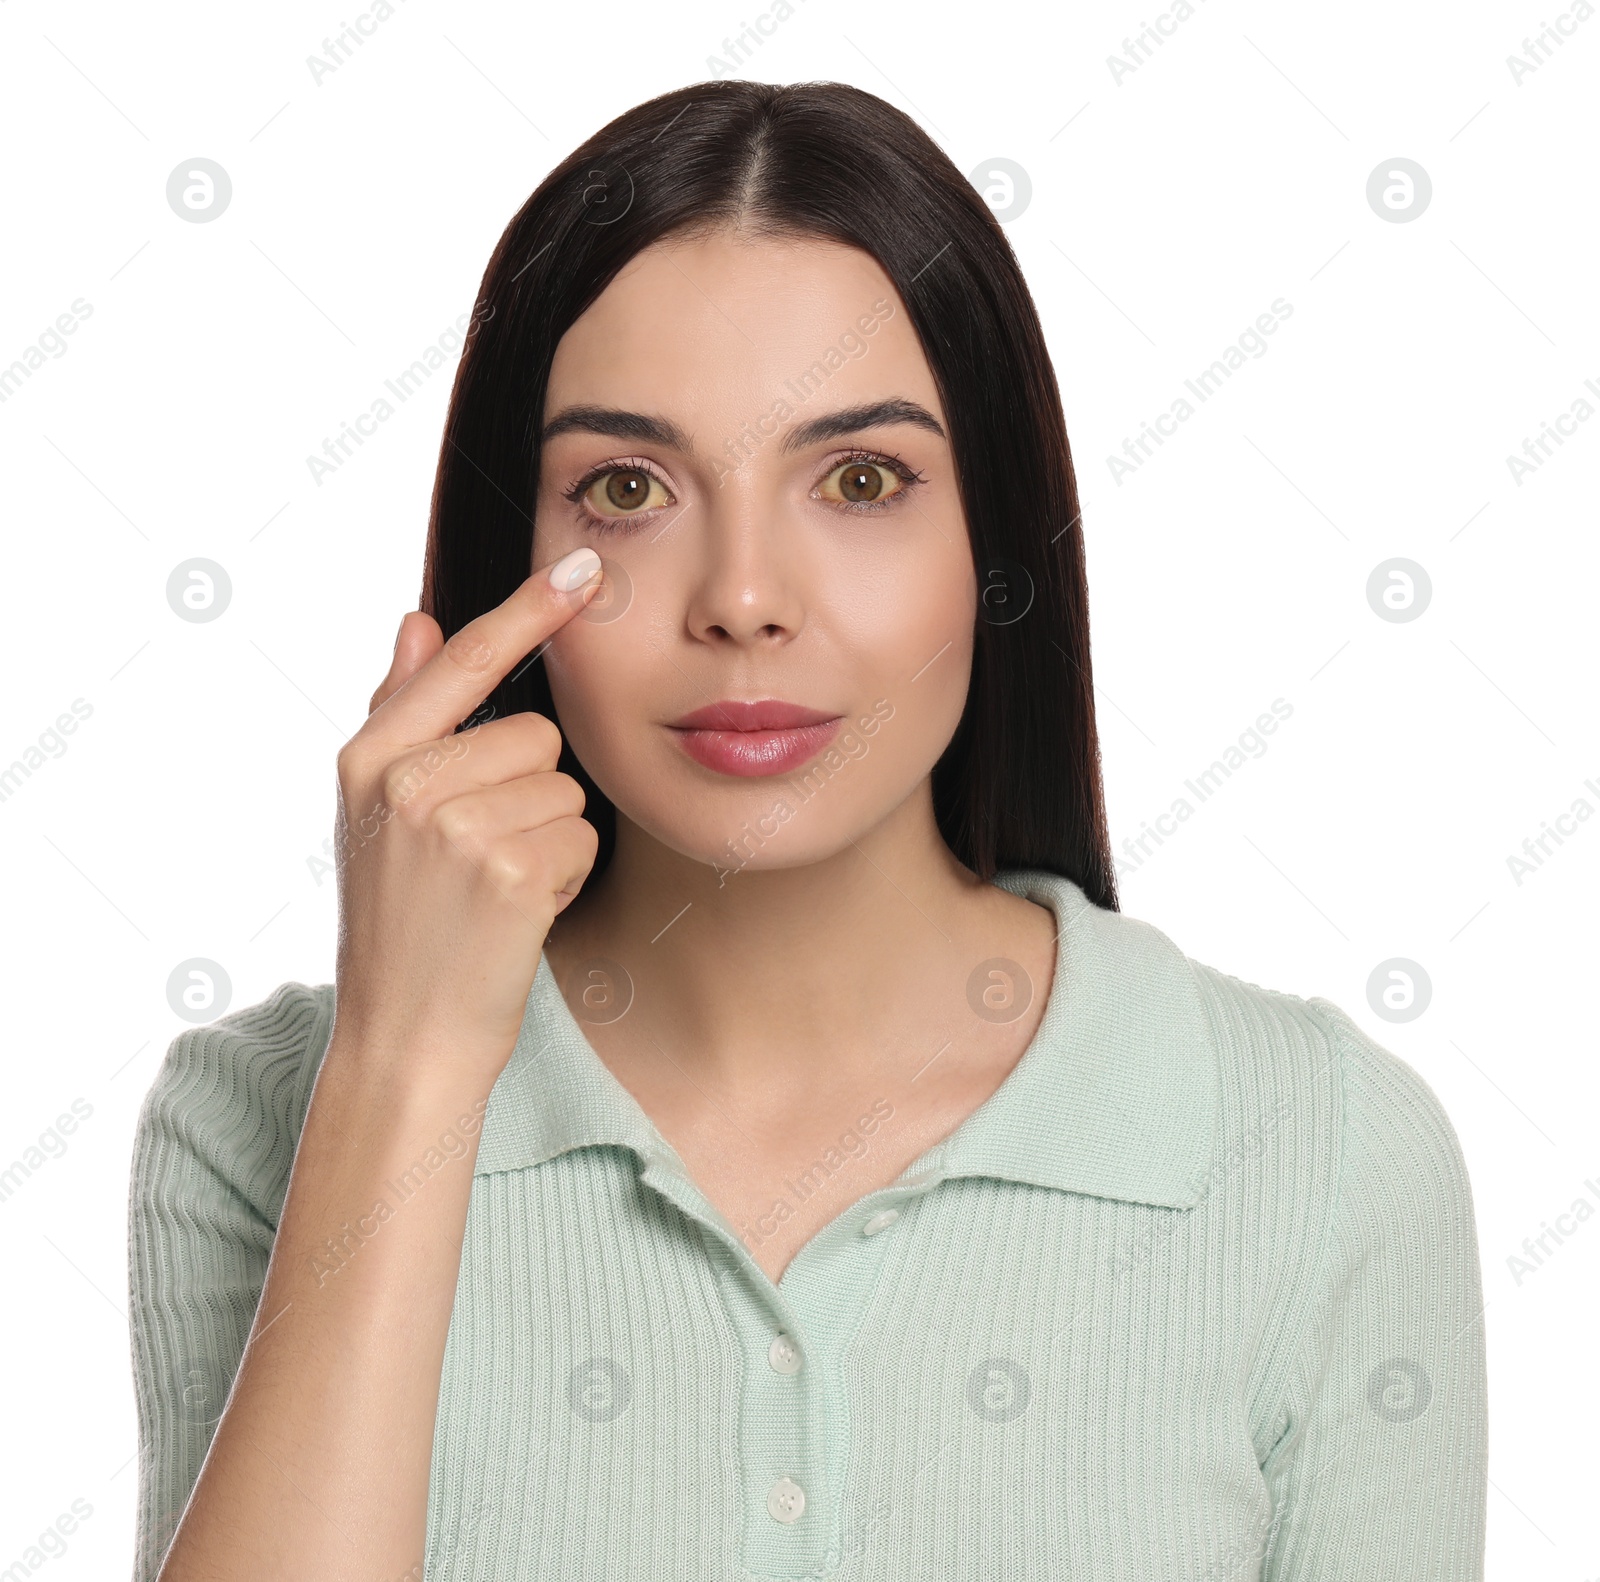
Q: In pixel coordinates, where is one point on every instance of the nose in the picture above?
(749, 582)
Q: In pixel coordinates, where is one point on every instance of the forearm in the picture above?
(320, 1462)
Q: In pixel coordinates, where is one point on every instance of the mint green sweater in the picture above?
(1194, 1296)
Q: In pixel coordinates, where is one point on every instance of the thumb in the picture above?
(417, 641)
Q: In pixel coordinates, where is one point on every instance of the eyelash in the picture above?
(908, 476)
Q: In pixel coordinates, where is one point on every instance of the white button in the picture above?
(916, 1181)
(784, 1355)
(786, 1500)
(880, 1221)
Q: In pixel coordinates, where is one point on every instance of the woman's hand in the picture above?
(456, 850)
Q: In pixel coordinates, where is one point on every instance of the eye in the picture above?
(866, 481)
(614, 491)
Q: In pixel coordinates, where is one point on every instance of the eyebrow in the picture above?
(870, 414)
(615, 423)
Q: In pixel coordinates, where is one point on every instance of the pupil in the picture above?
(627, 486)
(863, 481)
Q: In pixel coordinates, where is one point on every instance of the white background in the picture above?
(1168, 210)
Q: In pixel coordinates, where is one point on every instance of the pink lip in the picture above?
(766, 737)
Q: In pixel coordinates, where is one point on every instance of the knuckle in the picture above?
(468, 652)
(402, 781)
(544, 736)
(350, 763)
(506, 869)
(456, 822)
(568, 792)
(577, 832)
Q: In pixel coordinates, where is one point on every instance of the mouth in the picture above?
(767, 737)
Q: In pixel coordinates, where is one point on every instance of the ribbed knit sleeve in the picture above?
(1379, 1473)
(212, 1152)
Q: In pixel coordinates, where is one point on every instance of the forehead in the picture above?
(720, 327)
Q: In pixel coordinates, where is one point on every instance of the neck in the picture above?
(749, 976)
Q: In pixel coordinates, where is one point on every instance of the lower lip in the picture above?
(756, 752)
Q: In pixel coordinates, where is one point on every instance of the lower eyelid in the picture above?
(871, 505)
(589, 514)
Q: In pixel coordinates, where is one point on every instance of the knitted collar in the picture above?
(1116, 1097)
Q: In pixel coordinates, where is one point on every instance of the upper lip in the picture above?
(765, 714)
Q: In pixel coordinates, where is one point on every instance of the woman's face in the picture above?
(748, 434)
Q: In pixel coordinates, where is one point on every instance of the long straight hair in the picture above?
(1020, 783)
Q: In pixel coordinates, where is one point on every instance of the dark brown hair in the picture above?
(1019, 784)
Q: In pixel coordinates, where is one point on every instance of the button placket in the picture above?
(830, 1281)
(792, 1401)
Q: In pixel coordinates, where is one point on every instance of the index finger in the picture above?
(475, 660)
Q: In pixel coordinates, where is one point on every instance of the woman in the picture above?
(842, 1186)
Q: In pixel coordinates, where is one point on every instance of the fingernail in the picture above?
(572, 571)
(398, 630)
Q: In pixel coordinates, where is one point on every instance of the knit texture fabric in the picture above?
(1194, 1296)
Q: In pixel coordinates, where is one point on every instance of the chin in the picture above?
(737, 824)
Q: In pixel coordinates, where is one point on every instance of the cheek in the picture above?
(588, 663)
(554, 533)
(906, 641)
(559, 526)
(940, 625)
(917, 621)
